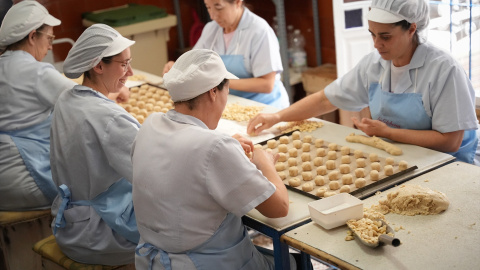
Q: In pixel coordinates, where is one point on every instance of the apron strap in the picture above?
(152, 252)
(65, 195)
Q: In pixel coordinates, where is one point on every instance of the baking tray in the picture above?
(361, 192)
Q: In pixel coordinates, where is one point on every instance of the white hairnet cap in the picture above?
(194, 73)
(21, 19)
(96, 42)
(392, 11)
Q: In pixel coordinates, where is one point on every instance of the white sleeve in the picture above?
(52, 83)
(233, 181)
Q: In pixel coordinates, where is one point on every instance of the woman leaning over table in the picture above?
(91, 139)
(417, 93)
(29, 89)
(249, 49)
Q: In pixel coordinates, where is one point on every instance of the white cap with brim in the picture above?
(96, 42)
(194, 73)
(21, 19)
(382, 16)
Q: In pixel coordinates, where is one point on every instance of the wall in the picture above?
(300, 16)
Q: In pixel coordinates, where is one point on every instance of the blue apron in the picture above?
(217, 252)
(406, 111)
(33, 144)
(234, 63)
(114, 206)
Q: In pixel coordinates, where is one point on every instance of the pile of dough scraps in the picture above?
(304, 126)
(369, 227)
(413, 200)
(240, 113)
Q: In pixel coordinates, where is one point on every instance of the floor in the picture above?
(266, 242)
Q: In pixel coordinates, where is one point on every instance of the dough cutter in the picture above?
(382, 239)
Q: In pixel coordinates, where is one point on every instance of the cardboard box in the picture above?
(316, 79)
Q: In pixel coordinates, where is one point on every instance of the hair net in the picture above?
(194, 73)
(21, 19)
(413, 11)
(96, 42)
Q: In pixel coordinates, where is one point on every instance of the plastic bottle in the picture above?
(299, 56)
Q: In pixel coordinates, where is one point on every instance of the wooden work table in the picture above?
(449, 240)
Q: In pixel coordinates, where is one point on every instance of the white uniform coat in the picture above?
(28, 92)
(91, 139)
(186, 179)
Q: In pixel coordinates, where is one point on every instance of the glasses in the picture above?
(50, 37)
(125, 64)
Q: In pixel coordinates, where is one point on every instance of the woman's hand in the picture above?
(247, 144)
(168, 66)
(372, 127)
(261, 122)
(122, 96)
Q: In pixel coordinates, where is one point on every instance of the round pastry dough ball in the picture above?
(332, 155)
(345, 189)
(292, 152)
(140, 118)
(128, 107)
(344, 168)
(282, 157)
(332, 146)
(143, 112)
(165, 99)
(293, 171)
(329, 194)
(296, 135)
(373, 157)
(330, 164)
(165, 110)
(134, 115)
(345, 150)
(374, 175)
(320, 192)
(346, 160)
(292, 162)
(334, 185)
(322, 170)
(307, 176)
(294, 182)
(134, 89)
(306, 147)
(306, 157)
(297, 144)
(132, 102)
(160, 103)
(318, 161)
(307, 187)
(142, 98)
(347, 179)
(318, 143)
(284, 140)
(307, 166)
(307, 139)
(389, 161)
(360, 172)
(319, 180)
(282, 175)
(135, 110)
(271, 144)
(402, 165)
(141, 104)
(149, 107)
(360, 182)
(149, 94)
(157, 109)
(280, 166)
(388, 170)
(360, 162)
(142, 90)
(358, 154)
(321, 152)
(333, 175)
(257, 146)
(156, 97)
(282, 148)
(375, 166)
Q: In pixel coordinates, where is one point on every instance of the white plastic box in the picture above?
(335, 211)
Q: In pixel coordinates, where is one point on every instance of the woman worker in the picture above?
(29, 89)
(417, 93)
(91, 139)
(197, 221)
(249, 49)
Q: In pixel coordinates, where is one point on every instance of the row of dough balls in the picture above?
(147, 99)
(307, 174)
(333, 186)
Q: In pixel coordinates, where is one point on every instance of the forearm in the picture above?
(263, 84)
(443, 142)
(311, 106)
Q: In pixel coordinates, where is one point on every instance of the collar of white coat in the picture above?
(82, 88)
(417, 61)
(185, 119)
